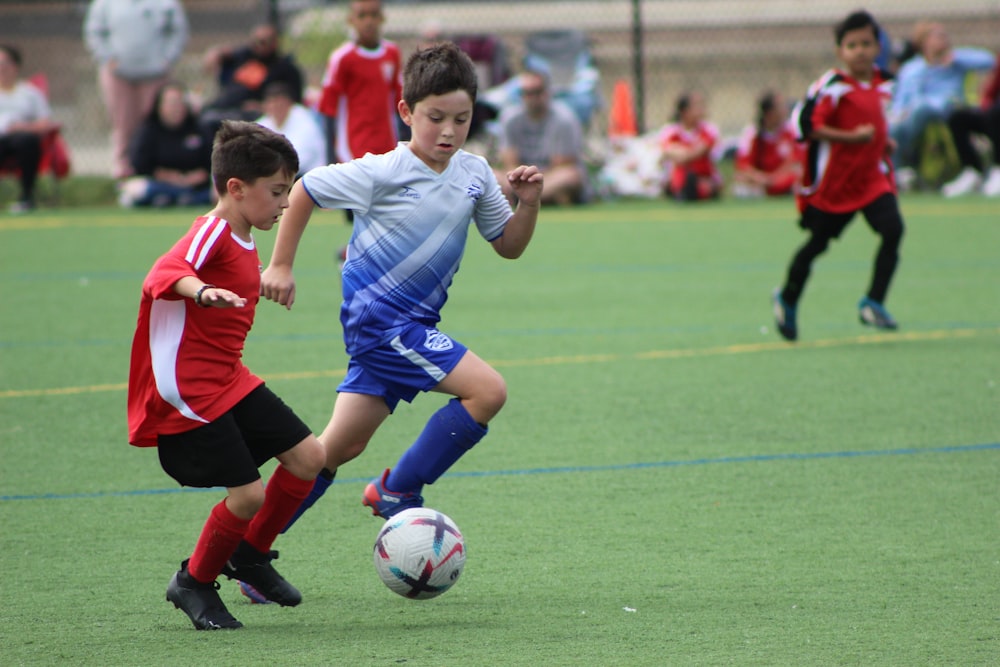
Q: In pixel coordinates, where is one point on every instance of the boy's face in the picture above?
(262, 202)
(366, 19)
(440, 125)
(858, 50)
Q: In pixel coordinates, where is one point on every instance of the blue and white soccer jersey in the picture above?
(410, 230)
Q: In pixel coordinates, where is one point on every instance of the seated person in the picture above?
(244, 72)
(299, 125)
(768, 155)
(170, 155)
(929, 87)
(688, 148)
(25, 118)
(545, 133)
(983, 120)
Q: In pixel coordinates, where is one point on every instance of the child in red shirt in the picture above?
(212, 421)
(769, 154)
(362, 86)
(688, 146)
(847, 170)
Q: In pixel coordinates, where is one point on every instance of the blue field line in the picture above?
(753, 458)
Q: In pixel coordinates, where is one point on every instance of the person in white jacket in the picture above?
(136, 45)
(297, 122)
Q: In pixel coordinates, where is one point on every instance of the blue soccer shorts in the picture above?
(415, 360)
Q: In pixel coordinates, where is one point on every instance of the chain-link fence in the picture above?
(729, 49)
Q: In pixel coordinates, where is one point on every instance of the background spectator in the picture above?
(768, 155)
(984, 121)
(929, 86)
(171, 156)
(299, 125)
(243, 72)
(545, 133)
(688, 149)
(136, 44)
(25, 117)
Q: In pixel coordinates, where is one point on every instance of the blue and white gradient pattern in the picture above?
(410, 229)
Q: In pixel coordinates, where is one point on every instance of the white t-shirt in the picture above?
(23, 103)
(302, 129)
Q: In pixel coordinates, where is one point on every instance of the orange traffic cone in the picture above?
(621, 117)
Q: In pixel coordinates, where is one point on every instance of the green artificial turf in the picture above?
(669, 483)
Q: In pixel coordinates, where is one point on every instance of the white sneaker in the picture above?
(746, 191)
(966, 183)
(991, 188)
(132, 190)
(906, 178)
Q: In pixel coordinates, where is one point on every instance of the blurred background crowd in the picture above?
(645, 80)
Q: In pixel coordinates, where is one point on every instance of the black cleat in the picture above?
(254, 568)
(784, 317)
(201, 602)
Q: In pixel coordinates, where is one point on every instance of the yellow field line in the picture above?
(721, 350)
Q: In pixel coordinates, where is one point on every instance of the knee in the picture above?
(489, 398)
(892, 231)
(311, 460)
(338, 456)
(496, 392)
(246, 501)
(818, 244)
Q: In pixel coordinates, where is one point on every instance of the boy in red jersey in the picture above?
(212, 420)
(362, 87)
(847, 170)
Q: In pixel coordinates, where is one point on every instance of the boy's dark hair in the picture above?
(13, 53)
(855, 21)
(436, 70)
(681, 105)
(248, 151)
(279, 89)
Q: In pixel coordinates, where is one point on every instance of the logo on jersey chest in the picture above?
(409, 193)
(475, 191)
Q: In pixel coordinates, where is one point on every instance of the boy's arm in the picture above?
(857, 135)
(526, 182)
(277, 282)
(205, 295)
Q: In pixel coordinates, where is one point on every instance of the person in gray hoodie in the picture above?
(136, 44)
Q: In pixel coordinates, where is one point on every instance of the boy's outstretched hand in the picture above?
(526, 182)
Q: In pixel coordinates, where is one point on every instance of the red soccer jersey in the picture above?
(361, 88)
(840, 177)
(187, 361)
(767, 151)
(704, 166)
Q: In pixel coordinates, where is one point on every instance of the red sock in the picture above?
(219, 539)
(282, 496)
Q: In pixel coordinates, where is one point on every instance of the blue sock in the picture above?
(323, 481)
(450, 433)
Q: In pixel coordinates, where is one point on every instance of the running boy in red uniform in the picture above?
(847, 170)
(212, 421)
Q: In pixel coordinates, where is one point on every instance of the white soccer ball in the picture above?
(419, 553)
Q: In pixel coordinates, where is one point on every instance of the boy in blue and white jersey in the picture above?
(412, 210)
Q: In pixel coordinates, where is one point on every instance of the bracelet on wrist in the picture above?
(197, 295)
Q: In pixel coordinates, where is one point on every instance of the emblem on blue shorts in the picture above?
(437, 341)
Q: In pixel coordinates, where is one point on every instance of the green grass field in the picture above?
(669, 484)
